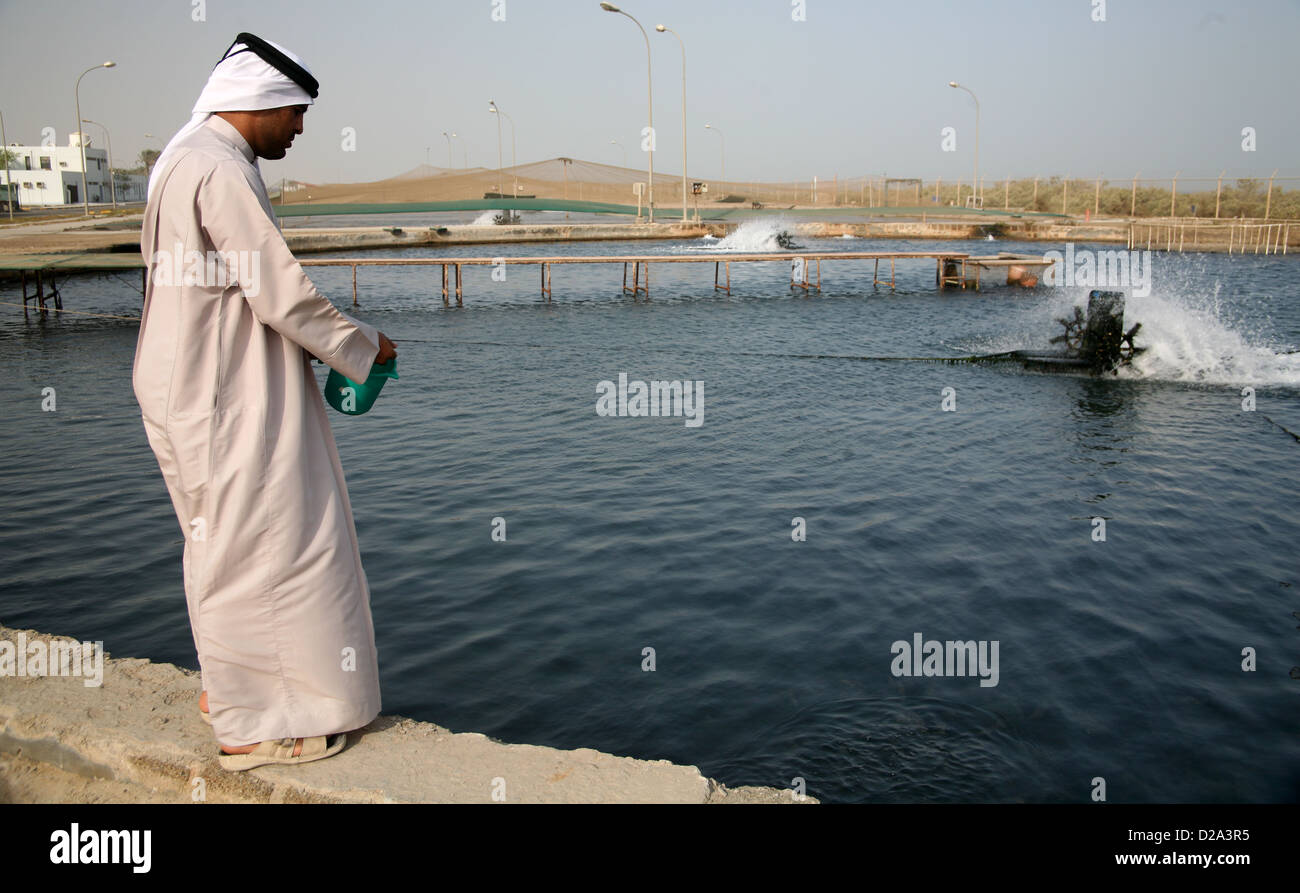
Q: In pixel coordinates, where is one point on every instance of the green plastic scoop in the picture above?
(351, 398)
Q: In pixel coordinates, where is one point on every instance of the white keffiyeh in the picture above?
(241, 82)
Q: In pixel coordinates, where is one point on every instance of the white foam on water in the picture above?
(486, 218)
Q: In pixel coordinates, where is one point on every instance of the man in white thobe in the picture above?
(278, 602)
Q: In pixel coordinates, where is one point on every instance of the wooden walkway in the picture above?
(952, 269)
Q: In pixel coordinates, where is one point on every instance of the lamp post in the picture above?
(501, 177)
(620, 145)
(663, 29)
(9, 187)
(108, 138)
(450, 163)
(724, 148)
(514, 167)
(76, 92)
(975, 182)
(650, 185)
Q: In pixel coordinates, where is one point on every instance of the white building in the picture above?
(51, 175)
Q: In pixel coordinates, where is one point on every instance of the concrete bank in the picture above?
(138, 737)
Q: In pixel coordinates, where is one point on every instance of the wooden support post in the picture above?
(819, 274)
(40, 291)
(716, 287)
(546, 281)
(445, 302)
(459, 301)
(354, 285)
(24, 277)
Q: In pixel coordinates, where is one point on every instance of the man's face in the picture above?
(276, 129)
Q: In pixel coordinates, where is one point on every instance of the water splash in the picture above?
(487, 218)
(1190, 333)
(1197, 341)
(757, 235)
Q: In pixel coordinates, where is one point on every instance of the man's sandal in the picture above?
(281, 751)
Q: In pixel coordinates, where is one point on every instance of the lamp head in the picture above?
(610, 7)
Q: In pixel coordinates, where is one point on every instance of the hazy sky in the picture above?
(859, 87)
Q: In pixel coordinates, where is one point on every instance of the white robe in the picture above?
(279, 604)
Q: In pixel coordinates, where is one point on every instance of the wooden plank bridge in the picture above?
(952, 269)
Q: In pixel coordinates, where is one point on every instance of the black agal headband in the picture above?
(276, 59)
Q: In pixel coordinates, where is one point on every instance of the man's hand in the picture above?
(387, 350)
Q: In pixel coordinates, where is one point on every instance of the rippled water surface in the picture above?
(1119, 659)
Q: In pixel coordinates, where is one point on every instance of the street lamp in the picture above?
(9, 186)
(975, 184)
(109, 139)
(514, 165)
(76, 92)
(650, 185)
(664, 29)
(724, 149)
(620, 145)
(450, 163)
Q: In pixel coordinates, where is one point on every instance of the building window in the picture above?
(45, 162)
(63, 164)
